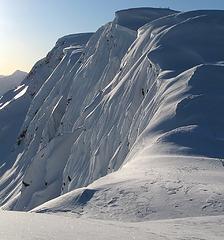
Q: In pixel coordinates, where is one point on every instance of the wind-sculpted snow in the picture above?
(130, 126)
(48, 124)
(46, 66)
(14, 118)
(136, 17)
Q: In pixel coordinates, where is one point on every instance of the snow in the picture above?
(136, 17)
(26, 226)
(4, 105)
(19, 87)
(21, 93)
(165, 187)
(123, 124)
(16, 102)
(12, 81)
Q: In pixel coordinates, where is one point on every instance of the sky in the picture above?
(30, 28)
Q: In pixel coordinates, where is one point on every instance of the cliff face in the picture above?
(129, 124)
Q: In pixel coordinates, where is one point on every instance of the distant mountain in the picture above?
(12, 81)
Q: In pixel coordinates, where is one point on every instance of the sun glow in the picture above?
(11, 44)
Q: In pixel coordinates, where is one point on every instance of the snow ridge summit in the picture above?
(124, 123)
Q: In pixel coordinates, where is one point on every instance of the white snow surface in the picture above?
(27, 226)
(128, 125)
(15, 103)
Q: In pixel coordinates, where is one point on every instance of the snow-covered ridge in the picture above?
(136, 17)
(128, 125)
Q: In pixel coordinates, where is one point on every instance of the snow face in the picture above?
(130, 125)
(15, 104)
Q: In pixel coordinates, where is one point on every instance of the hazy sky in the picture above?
(30, 28)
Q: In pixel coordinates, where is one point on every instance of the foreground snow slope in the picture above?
(157, 187)
(11, 81)
(130, 125)
(25, 226)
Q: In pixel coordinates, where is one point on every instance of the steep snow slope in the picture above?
(46, 66)
(15, 104)
(25, 226)
(12, 81)
(161, 112)
(47, 143)
(135, 125)
(99, 63)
